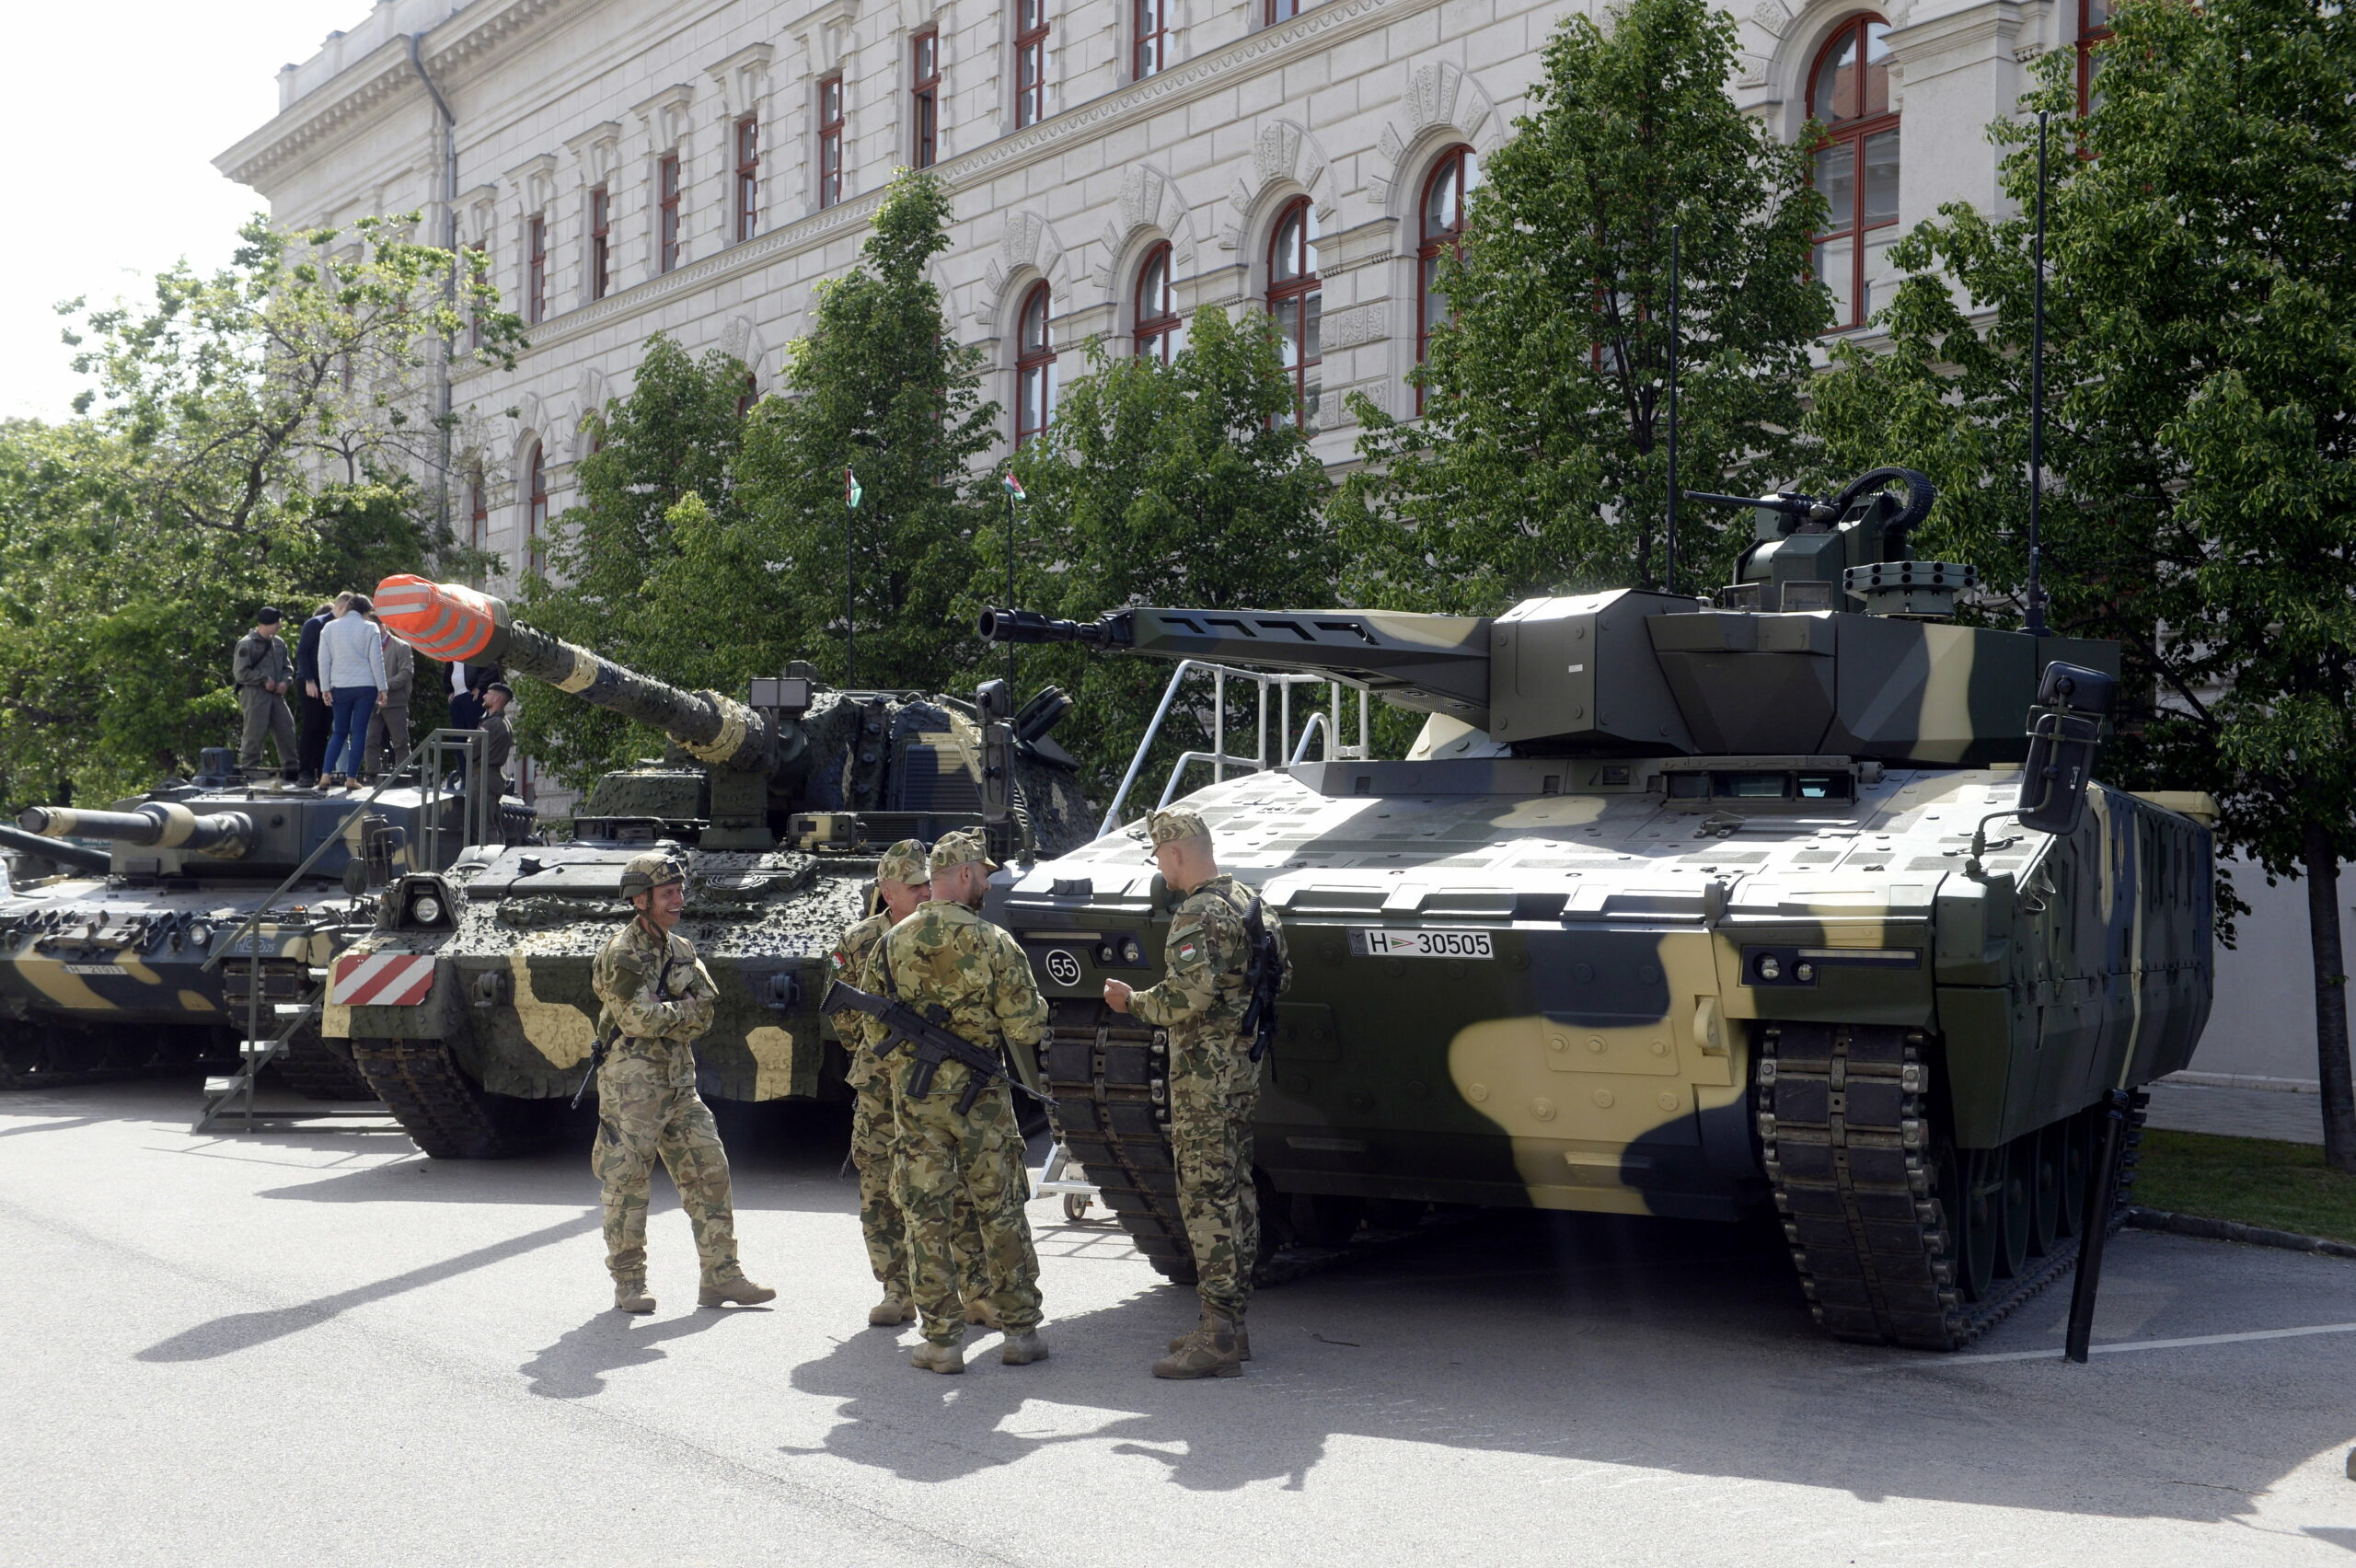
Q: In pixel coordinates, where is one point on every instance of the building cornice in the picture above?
(360, 89)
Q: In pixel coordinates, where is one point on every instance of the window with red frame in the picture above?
(1153, 38)
(666, 231)
(1296, 299)
(536, 512)
(1034, 367)
(1160, 334)
(749, 396)
(601, 242)
(830, 140)
(536, 270)
(2094, 27)
(1281, 11)
(478, 510)
(1856, 164)
(1439, 232)
(924, 94)
(748, 178)
(1030, 62)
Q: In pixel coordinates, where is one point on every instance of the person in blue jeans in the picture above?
(352, 679)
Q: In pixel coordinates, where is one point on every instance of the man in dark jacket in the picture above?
(313, 711)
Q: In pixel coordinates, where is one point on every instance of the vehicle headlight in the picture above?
(1771, 967)
(425, 909)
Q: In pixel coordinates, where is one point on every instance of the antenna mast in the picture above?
(2037, 397)
(1669, 575)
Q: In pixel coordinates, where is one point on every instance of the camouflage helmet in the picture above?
(646, 872)
(1172, 823)
(963, 847)
(904, 862)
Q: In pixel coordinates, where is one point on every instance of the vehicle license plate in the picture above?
(1423, 942)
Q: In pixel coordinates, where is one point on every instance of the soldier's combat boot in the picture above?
(1242, 1341)
(932, 1357)
(630, 1295)
(1210, 1351)
(889, 1313)
(741, 1291)
(1023, 1349)
(979, 1315)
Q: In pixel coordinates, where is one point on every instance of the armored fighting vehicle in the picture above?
(102, 953)
(470, 1010)
(1675, 907)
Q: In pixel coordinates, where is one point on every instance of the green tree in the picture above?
(1541, 457)
(250, 438)
(879, 387)
(2201, 443)
(1178, 484)
(616, 552)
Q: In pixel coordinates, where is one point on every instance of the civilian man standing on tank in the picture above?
(261, 673)
(316, 718)
(388, 731)
(901, 884)
(1214, 1086)
(502, 743)
(946, 956)
(352, 671)
(658, 999)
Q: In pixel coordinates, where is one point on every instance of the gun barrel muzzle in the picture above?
(1029, 626)
(159, 825)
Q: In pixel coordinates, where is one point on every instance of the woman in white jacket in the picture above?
(352, 680)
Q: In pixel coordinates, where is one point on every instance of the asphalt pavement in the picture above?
(321, 1348)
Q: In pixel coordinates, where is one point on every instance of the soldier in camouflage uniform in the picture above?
(946, 956)
(1214, 1086)
(902, 882)
(658, 998)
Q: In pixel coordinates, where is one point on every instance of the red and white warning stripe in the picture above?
(381, 979)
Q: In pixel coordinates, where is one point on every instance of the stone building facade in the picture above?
(694, 167)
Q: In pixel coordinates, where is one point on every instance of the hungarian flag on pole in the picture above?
(1015, 486)
(851, 493)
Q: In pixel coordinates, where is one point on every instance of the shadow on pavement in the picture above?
(1633, 1347)
(244, 1330)
(58, 1126)
(574, 1368)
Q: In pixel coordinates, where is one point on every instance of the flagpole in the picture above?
(851, 586)
(1010, 586)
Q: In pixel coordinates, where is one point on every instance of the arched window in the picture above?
(1295, 300)
(1035, 368)
(1439, 230)
(2094, 27)
(1159, 333)
(536, 512)
(749, 396)
(1856, 163)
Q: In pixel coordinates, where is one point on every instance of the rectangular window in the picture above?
(925, 99)
(1282, 11)
(666, 229)
(601, 242)
(535, 272)
(1153, 38)
(480, 265)
(830, 140)
(748, 178)
(1030, 62)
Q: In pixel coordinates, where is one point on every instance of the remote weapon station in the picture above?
(1801, 896)
(470, 1010)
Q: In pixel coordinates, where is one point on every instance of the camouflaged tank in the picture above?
(102, 952)
(1673, 909)
(471, 1012)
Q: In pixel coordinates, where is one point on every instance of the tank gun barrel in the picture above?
(78, 856)
(1432, 662)
(159, 825)
(447, 621)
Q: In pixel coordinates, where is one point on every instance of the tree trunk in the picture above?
(2322, 860)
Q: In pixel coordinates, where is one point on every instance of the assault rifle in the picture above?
(929, 1037)
(606, 1040)
(1263, 977)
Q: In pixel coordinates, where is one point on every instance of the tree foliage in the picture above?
(253, 436)
(2201, 441)
(1184, 483)
(1540, 459)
